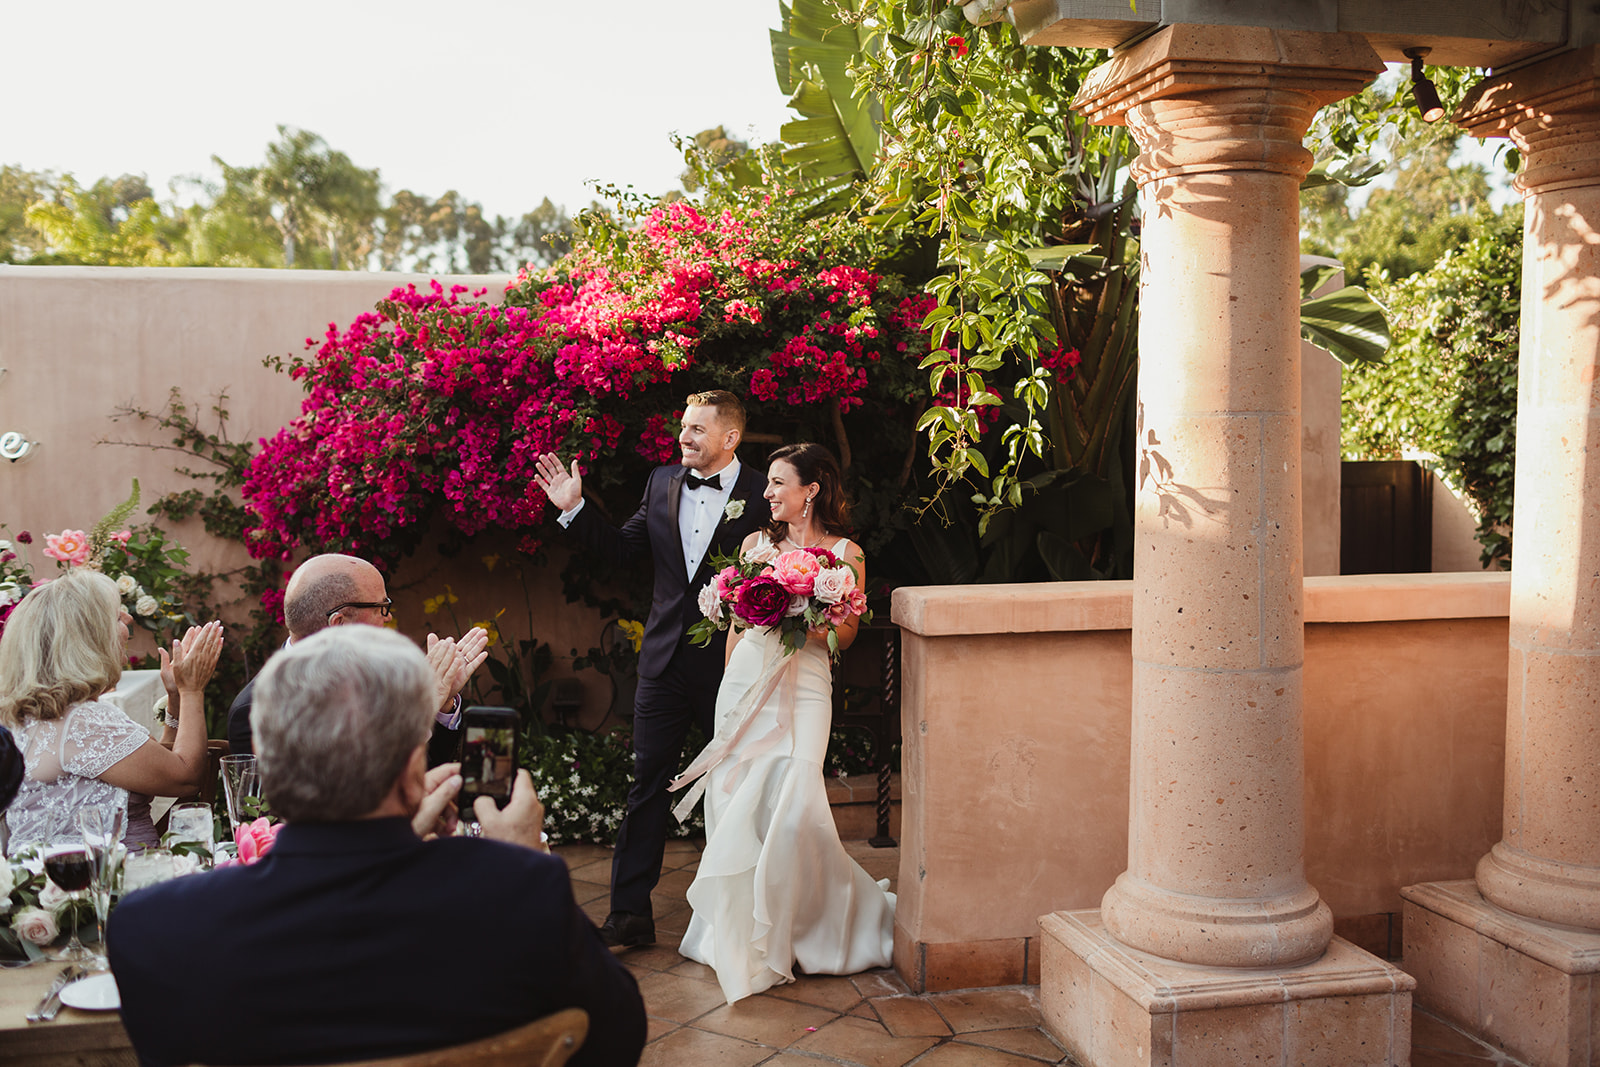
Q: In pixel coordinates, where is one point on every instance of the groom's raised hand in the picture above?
(563, 487)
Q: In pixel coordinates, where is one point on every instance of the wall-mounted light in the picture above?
(1422, 90)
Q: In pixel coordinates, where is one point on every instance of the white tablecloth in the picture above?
(136, 694)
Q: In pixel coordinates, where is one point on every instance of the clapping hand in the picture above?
(193, 659)
(564, 488)
(453, 661)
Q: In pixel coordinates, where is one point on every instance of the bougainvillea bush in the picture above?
(436, 404)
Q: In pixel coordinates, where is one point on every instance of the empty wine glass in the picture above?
(71, 868)
(240, 782)
(102, 836)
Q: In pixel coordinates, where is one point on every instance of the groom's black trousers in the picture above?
(663, 709)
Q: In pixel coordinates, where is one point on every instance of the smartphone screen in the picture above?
(488, 753)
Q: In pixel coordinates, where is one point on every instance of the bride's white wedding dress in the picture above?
(775, 887)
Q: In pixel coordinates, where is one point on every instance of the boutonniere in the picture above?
(734, 509)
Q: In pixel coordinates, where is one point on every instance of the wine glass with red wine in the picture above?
(71, 868)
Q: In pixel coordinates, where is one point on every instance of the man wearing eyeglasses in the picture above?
(338, 590)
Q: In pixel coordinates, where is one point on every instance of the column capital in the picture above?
(1551, 111)
(1209, 98)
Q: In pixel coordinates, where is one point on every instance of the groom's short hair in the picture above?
(730, 409)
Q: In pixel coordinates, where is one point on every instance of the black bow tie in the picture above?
(714, 482)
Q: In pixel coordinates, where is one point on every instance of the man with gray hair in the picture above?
(355, 937)
(338, 590)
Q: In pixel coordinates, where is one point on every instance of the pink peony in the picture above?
(36, 926)
(797, 571)
(762, 601)
(833, 584)
(255, 839)
(69, 546)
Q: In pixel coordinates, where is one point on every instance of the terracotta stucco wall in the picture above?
(1016, 714)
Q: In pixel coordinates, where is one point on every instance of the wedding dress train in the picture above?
(775, 888)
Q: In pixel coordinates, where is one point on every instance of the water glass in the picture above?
(147, 868)
(191, 823)
(240, 780)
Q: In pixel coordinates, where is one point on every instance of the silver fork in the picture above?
(51, 1004)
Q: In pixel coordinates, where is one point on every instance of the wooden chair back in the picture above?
(546, 1042)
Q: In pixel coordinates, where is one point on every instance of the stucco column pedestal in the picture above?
(1210, 948)
(1515, 957)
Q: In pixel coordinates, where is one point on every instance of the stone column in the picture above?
(1521, 925)
(1215, 876)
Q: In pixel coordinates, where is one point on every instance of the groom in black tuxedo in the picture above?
(704, 505)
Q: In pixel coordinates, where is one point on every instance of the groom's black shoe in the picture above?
(624, 929)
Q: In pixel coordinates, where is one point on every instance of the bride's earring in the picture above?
(805, 512)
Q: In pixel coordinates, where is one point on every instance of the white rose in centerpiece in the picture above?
(126, 584)
(10, 593)
(5, 546)
(710, 602)
(8, 882)
(833, 584)
(147, 605)
(36, 926)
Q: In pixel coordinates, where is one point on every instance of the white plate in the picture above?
(96, 993)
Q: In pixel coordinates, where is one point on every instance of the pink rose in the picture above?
(797, 571)
(123, 536)
(255, 839)
(726, 580)
(764, 552)
(68, 546)
(833, 584)
(36, 926)
(762, 601)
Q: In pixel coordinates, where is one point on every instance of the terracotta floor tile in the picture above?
(766, 1020)
(657, 957)
(864, 1010)
(692, 969)
(1431, 1032)
(701, 1049)
(659, 1028)
(683, 849)
(1024, 1041)
(881, 983)
(832, 991)
(673, 884)
(670, 996)
(597, 909)
(863, 1042)
(988, 1009)
(909, 1016)
(957, 1054)
(584, 892)
(596, 870)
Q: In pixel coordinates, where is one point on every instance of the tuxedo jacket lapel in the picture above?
(674, 499)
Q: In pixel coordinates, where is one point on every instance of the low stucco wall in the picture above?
(1016, 714)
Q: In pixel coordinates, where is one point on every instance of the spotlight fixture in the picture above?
(1422, 90)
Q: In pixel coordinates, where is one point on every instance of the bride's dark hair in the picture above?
(815, 465)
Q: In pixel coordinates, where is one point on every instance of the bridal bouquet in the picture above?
(791, 593)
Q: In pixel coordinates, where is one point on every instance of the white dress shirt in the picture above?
(699, 513)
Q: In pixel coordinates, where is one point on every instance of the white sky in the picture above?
(506, 102)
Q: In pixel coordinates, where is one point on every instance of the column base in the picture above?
(1527, 987)
(1113, 1006)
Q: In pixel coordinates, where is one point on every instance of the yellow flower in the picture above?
(432, 604)
(490, 561)
(633, 631)
(491, 629)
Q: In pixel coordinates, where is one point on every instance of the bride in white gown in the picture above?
(775, 888)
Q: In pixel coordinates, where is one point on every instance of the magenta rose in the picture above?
(762, 601)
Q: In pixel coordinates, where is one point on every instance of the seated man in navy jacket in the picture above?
(355, 938)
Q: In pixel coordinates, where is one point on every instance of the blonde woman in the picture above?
(63, 648)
